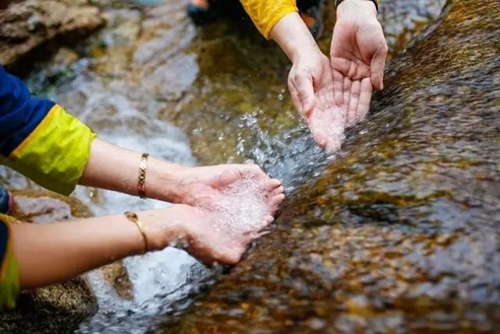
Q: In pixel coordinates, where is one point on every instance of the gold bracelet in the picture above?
(135, 219)
(141, 182)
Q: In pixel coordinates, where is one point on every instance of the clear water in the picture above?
(124, 104)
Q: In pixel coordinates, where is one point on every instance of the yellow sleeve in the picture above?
(9, 273)
(56, 153)
(266, 13)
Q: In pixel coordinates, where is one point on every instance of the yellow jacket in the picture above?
(266, 13)
(40, 140)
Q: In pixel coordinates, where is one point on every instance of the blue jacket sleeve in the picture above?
(19, 112)
(39, 139)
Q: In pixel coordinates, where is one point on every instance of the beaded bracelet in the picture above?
(141, 182)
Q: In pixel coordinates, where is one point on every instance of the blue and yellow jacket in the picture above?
(40, 140)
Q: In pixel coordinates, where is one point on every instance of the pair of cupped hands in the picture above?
(332, 94)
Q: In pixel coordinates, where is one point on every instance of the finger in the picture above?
(268, 219)
(333, 145)
(263, 233)
(365, 98)
(273, 184)
(377, 67)
(250, 169)
(295, 96)
(305, 92)
(276, 200)
(338, 87)
(353, 103)
(263, 224)
(347, 91)
(278, 191)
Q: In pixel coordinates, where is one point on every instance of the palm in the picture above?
(357, 58)
(311, 87)
(327, 120)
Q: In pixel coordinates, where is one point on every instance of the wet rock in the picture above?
(36, 27)
(40, 206)
(400, 232)
(404, 20)
(117, 276)
(59, 308)
(56, 309)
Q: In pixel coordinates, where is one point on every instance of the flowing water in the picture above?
(151, 81)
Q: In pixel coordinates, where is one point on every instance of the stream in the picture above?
(153, 82)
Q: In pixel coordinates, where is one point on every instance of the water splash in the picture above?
(291, 156)
(243, 205)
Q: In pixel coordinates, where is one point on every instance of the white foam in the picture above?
(243, 206)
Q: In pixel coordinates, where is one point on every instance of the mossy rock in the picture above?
(55, 309)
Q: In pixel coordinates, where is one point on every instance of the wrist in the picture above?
(163, 228)
(293, 37)
(162, 180)
(357, 7)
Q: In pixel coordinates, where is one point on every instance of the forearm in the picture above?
(293, 37)
(356, 7)
(115, 168)
(52, 253)
(265, 13)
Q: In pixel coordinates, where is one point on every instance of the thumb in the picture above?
(304, 93)
(377, 67)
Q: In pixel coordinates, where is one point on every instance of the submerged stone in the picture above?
(401, 232)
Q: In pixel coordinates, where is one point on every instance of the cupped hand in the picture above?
(358, 53)
(311, 86)
(211, 236)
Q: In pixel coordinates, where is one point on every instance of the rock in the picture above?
(56, 309)
(59, 308)
(35, 27)
(403, 20)
(400, 233)
(117, 276)
(41, 206)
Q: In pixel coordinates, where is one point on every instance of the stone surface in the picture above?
(400, 231)
(31, 28)
(40, 206)
(56, 309)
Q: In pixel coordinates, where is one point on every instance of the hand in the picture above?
(311, 86)
(310, 82)
(358, 53)
(209, 236)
